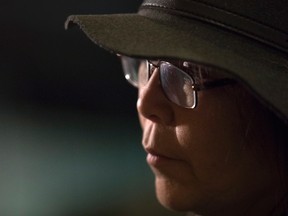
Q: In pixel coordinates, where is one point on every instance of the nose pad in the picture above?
(152, 103)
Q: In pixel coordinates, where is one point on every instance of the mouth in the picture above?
(157, 159)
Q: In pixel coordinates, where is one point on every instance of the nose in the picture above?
(152, 103)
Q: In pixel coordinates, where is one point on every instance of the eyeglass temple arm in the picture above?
(213, 84)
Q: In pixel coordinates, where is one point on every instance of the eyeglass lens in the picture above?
(131, 68)
(176, 84)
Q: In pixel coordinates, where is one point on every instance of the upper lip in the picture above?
(152, 151)
(154, 144)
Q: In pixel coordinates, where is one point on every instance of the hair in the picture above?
(279, 133)
(280, 130)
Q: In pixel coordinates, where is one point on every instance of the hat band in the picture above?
(225, 19)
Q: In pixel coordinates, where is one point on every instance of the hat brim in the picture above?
(262, 69)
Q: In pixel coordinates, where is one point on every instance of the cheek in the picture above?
(213, 144)
(209, 155)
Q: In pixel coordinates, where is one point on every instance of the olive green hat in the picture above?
(249, 38)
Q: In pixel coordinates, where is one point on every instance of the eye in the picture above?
(203, 73)
(199, 72)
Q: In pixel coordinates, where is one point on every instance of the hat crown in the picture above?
(273, 13)
(265, 21)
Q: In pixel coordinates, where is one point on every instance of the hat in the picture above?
(248, 38)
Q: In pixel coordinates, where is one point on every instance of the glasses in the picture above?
(180, 80)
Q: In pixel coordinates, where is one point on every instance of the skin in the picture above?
(216, 159)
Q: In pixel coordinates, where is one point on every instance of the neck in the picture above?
(269, 205)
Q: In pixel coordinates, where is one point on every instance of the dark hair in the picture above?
(280, 129)
(279, 134)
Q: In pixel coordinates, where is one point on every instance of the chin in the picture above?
(176, 197)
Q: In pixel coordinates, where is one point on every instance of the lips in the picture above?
(157, 159)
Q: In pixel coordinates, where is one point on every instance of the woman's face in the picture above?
(208, 159)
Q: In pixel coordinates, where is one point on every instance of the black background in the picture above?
(42, 64)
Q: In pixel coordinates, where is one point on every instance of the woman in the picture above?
(212, 79)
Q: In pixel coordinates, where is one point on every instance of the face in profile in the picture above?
(215, 159)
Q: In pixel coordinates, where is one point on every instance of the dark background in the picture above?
(43, 64)
(70, 143)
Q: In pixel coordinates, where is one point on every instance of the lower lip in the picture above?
(156, 160)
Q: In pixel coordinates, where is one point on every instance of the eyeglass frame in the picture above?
(152, 65)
